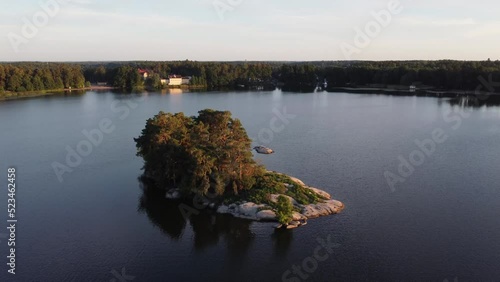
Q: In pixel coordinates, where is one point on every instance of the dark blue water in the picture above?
(440, 223)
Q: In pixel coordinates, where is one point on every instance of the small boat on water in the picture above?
(263, 150)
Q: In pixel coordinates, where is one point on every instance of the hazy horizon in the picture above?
(240, 61)
(239, 30)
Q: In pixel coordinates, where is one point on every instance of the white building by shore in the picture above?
(174, 80)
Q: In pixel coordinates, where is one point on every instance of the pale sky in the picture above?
(280, 30)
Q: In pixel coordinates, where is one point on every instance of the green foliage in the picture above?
(445, 74)
(259, 196)
(154, 81)
(299, 77)
(21, 77)
(204, 74)
(274, 183)
(198, 81)
(284, 210)
(303, 195)
(306, 76)
(271, 182)
(127, 77)
(266, 184)
(208, 153)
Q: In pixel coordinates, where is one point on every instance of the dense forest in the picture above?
(444, 75)
(204, 74)
(22, 77)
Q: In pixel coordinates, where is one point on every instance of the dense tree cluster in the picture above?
(127, 77)
(299, 77)
(446, 74)
(456, 75)
(38, 76)
(459, 75)
(209, 153)
(204, 74)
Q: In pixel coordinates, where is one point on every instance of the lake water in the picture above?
(100, 221)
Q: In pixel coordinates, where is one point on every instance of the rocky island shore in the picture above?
(265, 213)
(262, 212)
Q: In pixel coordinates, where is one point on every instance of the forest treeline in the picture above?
(22, 77)
(446, 74)
(210, 75)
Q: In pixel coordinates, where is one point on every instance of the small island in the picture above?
(210, 157)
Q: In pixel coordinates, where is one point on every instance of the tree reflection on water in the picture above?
(475, 101)
(207, 226)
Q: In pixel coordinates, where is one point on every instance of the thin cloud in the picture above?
(427, 22)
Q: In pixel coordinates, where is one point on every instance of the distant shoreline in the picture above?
(8, 95)
(355, 90)
(418, 92)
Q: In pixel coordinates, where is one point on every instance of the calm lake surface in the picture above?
(441, 223)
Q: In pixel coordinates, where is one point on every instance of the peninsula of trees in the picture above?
(209, 157)
(440, 75)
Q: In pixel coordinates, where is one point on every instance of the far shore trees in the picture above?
(25, 77)
(303, 76)
(127, 77)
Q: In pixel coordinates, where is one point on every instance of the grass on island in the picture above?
(278, 184)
